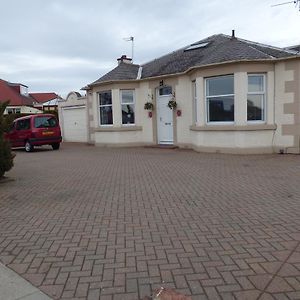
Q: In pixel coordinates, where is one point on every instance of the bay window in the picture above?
(127, 106)
(256, 97)
(195, 101)
(105, 108)
(220, 99)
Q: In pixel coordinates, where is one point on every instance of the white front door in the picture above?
(164, 120)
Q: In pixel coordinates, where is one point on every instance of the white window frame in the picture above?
(105, 105)
(211, 97)
(264, 102)
(195, 101)
(124, 103)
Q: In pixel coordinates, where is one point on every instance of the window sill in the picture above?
(117, 129)
(248, 127)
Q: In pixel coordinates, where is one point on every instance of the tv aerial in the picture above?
(130, 39)
(296, 2)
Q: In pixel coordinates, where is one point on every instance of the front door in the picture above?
(164, 119)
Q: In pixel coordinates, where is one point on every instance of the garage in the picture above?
(74, 124)
(73, 118)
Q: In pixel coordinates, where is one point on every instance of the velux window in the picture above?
(220, 99)
(127, 104)
(105, 107)
(256, 97)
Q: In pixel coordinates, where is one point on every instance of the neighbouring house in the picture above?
(228, 95)
(295, 48)
(46, 101)
(72, 114)
(17, 94)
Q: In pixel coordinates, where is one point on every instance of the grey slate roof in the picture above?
(220, 48)
(295, 48)
(124, 71)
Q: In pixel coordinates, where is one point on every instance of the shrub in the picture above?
(52, 112)
(6, 156)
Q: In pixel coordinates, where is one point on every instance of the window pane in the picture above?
(221, 109)
(127, 97)
(42, 122)
(106, 117)
(194, 91)
(255, 108)
(219, 86)
(23, 124)
(255, 83)
(166, 90)
(127, 114)
(105, 98)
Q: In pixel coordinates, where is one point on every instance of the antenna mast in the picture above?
(130, 39)
(296, 2)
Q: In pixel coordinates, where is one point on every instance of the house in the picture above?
(17, 94)
(46, 101)
(231, 96)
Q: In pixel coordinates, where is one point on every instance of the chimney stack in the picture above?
(124, 59)
(233, 34)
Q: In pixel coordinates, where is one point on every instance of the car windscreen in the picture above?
(44, 121)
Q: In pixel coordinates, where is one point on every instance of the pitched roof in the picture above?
(9, 92)
(295, 48)
(219, 49)
(124, 71)
(215, 49)
(43, 97)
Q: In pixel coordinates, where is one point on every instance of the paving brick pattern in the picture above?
(116, 224)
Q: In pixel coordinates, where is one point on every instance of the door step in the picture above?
(162, 146)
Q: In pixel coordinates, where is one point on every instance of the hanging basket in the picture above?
(148, 106)
(172, 104)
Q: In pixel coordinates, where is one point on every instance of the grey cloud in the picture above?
(65, 44)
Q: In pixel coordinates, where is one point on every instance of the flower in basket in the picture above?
(172, 104)
(148, 106)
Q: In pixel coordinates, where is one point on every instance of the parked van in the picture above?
(35, 130)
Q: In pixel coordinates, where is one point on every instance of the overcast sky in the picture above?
(62, 45)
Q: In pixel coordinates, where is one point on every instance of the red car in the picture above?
(35, 130)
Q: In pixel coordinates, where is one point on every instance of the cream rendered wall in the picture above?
(259, 141)
(216, 137)
(281, 98)
(184, 99)
(118, 134)
(143, 95)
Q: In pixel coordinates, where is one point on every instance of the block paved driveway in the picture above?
(92, 223)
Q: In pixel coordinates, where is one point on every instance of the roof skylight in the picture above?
(196, 46)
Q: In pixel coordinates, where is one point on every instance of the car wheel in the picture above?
(55, 146)
(28, 147)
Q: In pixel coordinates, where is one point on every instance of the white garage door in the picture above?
(74, 124)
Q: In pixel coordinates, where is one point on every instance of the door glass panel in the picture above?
(166, 90)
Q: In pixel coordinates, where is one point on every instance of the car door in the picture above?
(22, 132)
(11, 135)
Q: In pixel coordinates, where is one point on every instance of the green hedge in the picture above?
(6, 156)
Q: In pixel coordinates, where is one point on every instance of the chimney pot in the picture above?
(124, 59)
(233, 34)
